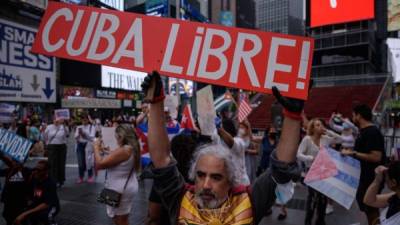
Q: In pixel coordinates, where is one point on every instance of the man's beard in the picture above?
(214, 203)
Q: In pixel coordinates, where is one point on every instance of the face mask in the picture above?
(242, 132)
(284, 192)
(272, 135)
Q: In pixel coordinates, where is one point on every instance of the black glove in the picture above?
(152, 88)
(290, 104)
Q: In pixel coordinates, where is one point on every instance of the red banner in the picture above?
(232, 57)
(326, 12)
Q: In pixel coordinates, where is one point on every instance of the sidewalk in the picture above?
(79, 205)
(296, 212)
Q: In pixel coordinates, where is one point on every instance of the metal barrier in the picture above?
(390, 144)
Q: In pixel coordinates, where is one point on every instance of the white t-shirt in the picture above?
(56, 135)
(89, 132)
(308, 150)
(238, 154)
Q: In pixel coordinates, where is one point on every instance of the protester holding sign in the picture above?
(215, 196)
(309, 147)
(389, 201)
(55, 137)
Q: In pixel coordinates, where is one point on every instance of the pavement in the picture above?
(79, 206)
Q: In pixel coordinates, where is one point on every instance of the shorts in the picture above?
(124, 207)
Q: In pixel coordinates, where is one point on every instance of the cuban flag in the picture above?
(187, 121)
(141, 131)
(335, 176)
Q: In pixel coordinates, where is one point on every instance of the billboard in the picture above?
(393, 15)
(24, 76)
(327, 12)
(112, 77)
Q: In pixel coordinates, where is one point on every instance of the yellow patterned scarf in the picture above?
(235, 211)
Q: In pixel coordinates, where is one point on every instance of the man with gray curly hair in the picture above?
(213, 151)
(215, 198)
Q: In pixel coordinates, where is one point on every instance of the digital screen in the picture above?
(327, 12)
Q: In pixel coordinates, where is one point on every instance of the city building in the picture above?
(222, 12)
(245, 14)
(348, 50)
(283, 16)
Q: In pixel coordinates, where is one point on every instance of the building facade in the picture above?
(351, 52)
(281, 16)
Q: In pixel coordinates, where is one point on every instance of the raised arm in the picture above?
(157, 134)
(372, 196)
(290, 137)
(226, 137)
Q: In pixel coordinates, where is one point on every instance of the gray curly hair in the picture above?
(220, 152)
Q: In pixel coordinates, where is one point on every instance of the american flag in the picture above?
(244, 107)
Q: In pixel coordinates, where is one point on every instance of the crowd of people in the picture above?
(230, 177)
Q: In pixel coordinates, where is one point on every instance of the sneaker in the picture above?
(79, 181)
(90, 180)
(329, 209)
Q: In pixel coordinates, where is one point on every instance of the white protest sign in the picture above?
(62, 114)
(6, 113)
(24, 76)
(108, 137)
(14, 146)
(171, 102)
(206, 111)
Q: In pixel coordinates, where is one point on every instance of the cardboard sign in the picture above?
(108, 137)
(14, 146)
(62, 114)
(6, 113)
(171, 102)
(206, 111)
(209, 53)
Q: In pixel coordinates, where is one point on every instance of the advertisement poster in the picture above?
(24, 76)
